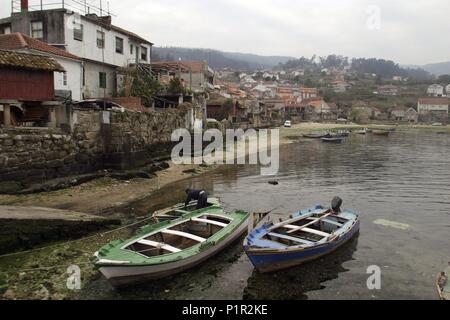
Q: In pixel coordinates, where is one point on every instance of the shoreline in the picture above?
(43, 273)
(103, 195)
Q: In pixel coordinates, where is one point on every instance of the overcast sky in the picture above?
(408, 32)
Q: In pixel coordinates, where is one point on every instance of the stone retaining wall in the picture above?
(99, 140)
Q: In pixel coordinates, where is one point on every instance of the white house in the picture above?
(102, 46)
(435, 90)
(68, 83)
(427, 105)
(447, 90)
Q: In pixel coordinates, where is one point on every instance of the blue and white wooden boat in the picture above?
(305, 236)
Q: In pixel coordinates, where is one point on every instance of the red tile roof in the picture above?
(21, 60)
(18, 40)
(435, 101)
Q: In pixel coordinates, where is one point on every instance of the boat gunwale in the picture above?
(237, 218)
(293, 249)
(289, 249)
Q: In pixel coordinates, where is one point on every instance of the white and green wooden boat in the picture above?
(179, 210)
(170, 247)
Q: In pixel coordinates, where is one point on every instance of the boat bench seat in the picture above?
(329, 221)
(184, 235)
(159, 245)
(283, 236)
(309, 230)
(215, 223)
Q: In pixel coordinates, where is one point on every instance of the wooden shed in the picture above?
(27, 77)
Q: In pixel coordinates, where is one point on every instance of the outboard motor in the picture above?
(336, 204)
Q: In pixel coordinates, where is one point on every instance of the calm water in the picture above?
(403, 178)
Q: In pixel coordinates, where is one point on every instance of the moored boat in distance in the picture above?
(305, 236)
(380, 132)
(315, 135)
(364, 131)
(329, 138)
(170, 247)
(443, 284)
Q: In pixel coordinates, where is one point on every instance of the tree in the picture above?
(145, 86)
(176, 87)
(445, 79)
(227, 109)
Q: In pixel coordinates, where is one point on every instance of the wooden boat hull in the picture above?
(120, 276)
(314, 135)
(381, 133)
(269, 260)
(444, 292)
(332, 140)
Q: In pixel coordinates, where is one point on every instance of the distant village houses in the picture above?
(388, 90)
(435, 90)
(433, 109)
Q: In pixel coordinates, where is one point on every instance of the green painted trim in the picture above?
(114, 252)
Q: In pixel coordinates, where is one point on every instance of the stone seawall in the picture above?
(97, 140)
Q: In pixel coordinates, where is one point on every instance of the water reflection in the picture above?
(293, 284)
(404, 178)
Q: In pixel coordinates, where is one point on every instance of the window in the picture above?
(5, 30)
(100, 39)
(119, 45)
(144, 53)
(84, 76)
(65, 78)
(102, 80)
(78, 31)
(131, 49)
(37, 30)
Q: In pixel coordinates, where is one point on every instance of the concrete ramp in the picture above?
(23, 228)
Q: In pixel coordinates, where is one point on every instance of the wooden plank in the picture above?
(184, 235)
(296, 219)
(310, 223)
(216, 223)
(282, 236)
(317, 232)
(159, 245)
(337, 224)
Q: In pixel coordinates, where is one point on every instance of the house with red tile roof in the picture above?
(433, 109)
(67, 83)
(86, 32)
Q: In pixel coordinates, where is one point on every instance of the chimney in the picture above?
(24, 5)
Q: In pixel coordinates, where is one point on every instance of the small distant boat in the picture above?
(178, 210)
(307, 235)
(381, 132)
(332, 139)
(364, 131)
(343, 133)
(315, 135)
(443, 284)
(170, 247)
